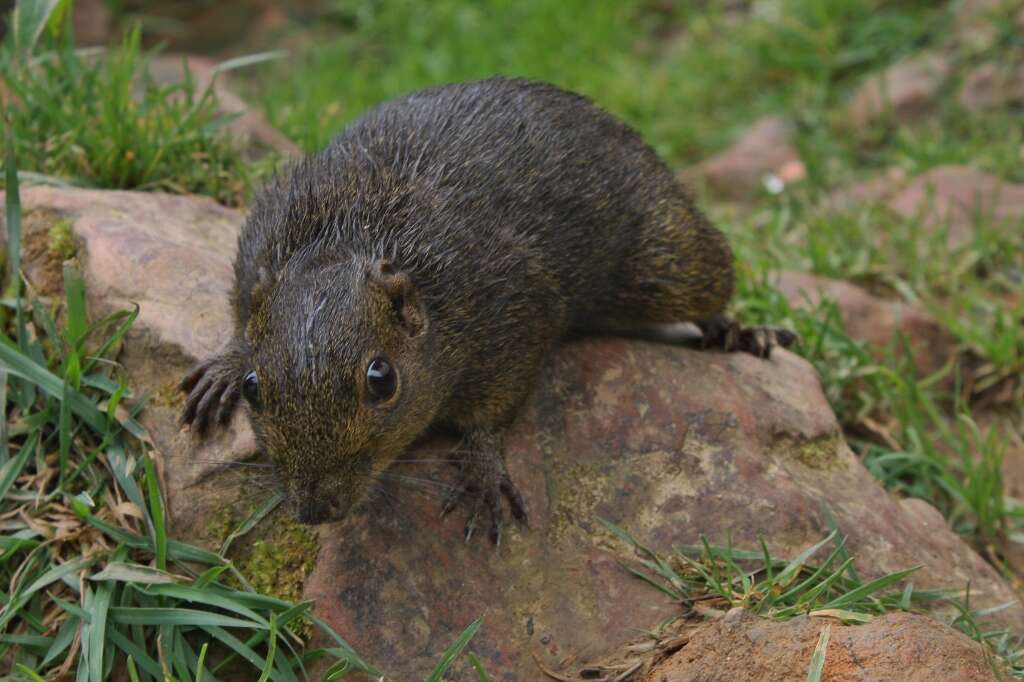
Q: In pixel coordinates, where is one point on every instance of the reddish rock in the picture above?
(765, 150)
(953, 198)
(250, 126)
(668, 443)
(992, 86)
(896, 647)
(976, 23)
(906, 90)
(172, 256)
(870, 319)
(93, 22)
(869, 190)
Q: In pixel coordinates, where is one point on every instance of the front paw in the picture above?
(213, 387)
(480, 489)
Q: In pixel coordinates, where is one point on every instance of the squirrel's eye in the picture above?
(251, 389)
(381, 379)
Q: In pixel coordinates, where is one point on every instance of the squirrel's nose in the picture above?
(312, 512)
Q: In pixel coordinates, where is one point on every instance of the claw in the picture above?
(726, 334)
(481, 489)
(213, 390)
(196, 396)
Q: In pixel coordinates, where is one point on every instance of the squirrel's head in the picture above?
(338, 384)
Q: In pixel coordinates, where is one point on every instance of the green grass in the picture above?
(96, 118)
(687, 77)
(822, 581)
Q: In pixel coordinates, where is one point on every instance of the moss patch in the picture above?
(61, 242)
(47, 241)
(816, 453)
(279, 564)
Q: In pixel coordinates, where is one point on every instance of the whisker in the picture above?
(392, 502)
(418, 460)
(228, 462)
(413, 480)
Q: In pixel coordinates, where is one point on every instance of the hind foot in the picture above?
(725, 333)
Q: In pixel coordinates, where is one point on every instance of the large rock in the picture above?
(765, 151)
(669, 443)
(906, 90)
(873, 320)
(954, 198)
(171, 256)
(896, 647)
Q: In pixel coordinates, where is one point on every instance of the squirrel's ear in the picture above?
(402, 294)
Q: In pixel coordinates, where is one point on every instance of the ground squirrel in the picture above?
(419, 270)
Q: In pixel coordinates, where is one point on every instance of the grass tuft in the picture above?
(97, 117)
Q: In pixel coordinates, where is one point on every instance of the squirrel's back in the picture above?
(468, 185)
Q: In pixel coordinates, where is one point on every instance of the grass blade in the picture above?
(869, 588)
(120, 571)
(12, 469)
(790, 572)
(100, 604)
(817, 667)
(250, 522)
(249, 60)
(28, 21)
(454, 650)
(138, 615)
(156, 514)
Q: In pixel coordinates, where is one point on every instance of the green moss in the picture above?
(221, 524)
(61, 241)
(818, 453)
(279, 564)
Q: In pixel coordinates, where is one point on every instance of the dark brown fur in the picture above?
(461, 232)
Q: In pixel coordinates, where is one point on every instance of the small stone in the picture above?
(766, 150)
(873, 320)
(870, 190)
(992, 86)
(906, 90)
(955, 197)
(976, 22)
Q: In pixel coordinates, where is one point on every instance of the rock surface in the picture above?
(906, 90)
(950, 199)
(668, 443)
(739, 172)
(870, 190)
(976, 23)
(991, 86)
(896, 647)
(873, 320)
(953, 198)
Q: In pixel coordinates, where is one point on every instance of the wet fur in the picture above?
(517, 213)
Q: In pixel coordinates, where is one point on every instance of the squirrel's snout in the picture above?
(312, 512)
